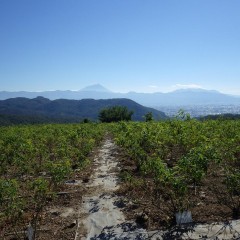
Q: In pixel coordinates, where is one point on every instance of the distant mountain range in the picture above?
(178, 97)
(95, 88)
(40, 109)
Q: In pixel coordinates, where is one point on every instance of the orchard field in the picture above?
(35, 162)
(166, 167)
(182, 165)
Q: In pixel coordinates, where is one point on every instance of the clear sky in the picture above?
(125, 45)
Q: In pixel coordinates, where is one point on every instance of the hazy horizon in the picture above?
(140, 46)
(183, 88)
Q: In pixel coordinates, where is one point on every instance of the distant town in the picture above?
(200, 110)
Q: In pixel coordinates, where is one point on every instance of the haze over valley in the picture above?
(197, 102)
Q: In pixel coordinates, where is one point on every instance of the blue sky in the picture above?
(125, 45)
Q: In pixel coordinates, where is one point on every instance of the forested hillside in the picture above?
(43, 110)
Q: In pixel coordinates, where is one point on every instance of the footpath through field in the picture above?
(101, 216)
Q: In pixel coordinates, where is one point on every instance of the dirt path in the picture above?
(101, 217)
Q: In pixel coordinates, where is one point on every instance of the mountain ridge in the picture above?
(74, 110)
(97, 92)
(95, 87)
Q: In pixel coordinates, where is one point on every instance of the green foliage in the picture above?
(36, 160)
(86, 120)
(40, 188)
(148, 117)
(168, 182)
(10, 204)
(194, 165)
(182, 115)
(232, 181)
(115, 114)
(179, 154)
(59, 170)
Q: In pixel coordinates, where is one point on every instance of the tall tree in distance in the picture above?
(115, 114)
(148, 117)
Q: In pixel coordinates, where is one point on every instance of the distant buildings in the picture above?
(200, 110)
